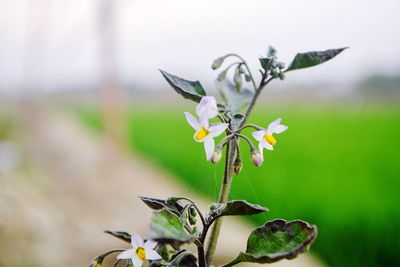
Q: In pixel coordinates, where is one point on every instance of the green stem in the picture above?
(223, 198)
(254, 99)
(201, 256)
(229, 160)
(247, 67)
(249, 126)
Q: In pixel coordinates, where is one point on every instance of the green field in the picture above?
(337, 168)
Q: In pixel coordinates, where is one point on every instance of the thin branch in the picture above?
(249, 126)
(247, 67)
(255, 97)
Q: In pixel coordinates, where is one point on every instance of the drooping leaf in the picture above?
(158, 204)
(153, 203)
(309, 59)
(167, 227)
(236, 100)
(183, 259)
(278, 240)
(237, 207)
(120, 235)
(188, 89)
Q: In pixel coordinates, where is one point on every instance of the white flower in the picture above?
(205, 133)
(140, 251)
(265, 136)
(207, 108)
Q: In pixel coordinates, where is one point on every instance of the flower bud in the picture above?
(275, 72)
(222, 75)
(192, 211)
(279, 65)
(238, 79)
(237, 166)
(256, 157)
(271, 51)
(192, 220)
(217, 63)
(281, 75)
(216, 155)
(213, 206)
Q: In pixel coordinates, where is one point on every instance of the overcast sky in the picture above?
(53, 43)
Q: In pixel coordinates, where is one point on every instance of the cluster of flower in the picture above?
(205, 132)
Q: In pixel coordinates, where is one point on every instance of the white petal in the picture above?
(267, 145)
(261, 149)
(152, 255)
(192, 120)
(217, 129)
(209, 147)
(150, 244)
(127, 254)
(273, 124)
(203, 122)
(258, 135)
(136, 240)
(207, 107)
(279, 128)
(137, 262)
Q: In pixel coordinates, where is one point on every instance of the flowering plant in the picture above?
(174, 220)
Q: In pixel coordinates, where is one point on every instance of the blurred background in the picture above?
(87, 122)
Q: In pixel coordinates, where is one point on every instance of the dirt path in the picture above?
(76, 186)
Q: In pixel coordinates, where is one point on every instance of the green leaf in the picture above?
(120, 235)
(183, 259)
(237, 207)
(277, 240)
(154, 203)
(166, 227)
(309, 59)
(158, 204)
(266, 63)
(188, 89)
(236, 100)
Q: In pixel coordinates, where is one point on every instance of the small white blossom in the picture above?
(204, 133)
(140, 251)
(207, 108)
(265, 136)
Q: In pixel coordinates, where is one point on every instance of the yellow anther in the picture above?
(270, 139)
(201, 134)
(141, 253)
(95, 263)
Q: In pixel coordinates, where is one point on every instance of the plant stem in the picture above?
(223, 198)
(254, 99)
(229, 160)
(200, 252)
